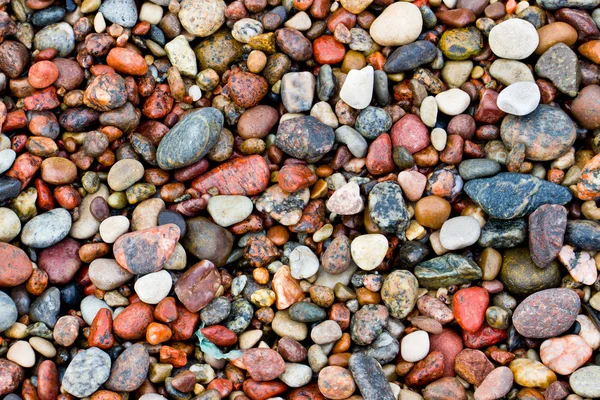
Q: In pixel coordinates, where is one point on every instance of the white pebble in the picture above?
(415, 346)
(303, 262)
(113, 227)
(154, 287)
(151, 13)
(453, 101)
(195, 92)
(99, 23)
(439, 138)
(368, 251)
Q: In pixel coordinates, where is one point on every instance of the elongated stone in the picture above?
(245, 176)
(369, 378)
(547, 226)
(449, 269)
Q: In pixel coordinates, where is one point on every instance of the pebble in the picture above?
(122, 12)
(229, 210)
(22, 354)
(202, 18)
(129, 370)
(113, 227)
(520, 98)
(357, 90)
(336, 382)
(154, 287)
(560, 65)
(522, 277)
(397, 25)
(531, 373)
(415, 346)
(399, 293)
(9, 315)
(10, 225)
(297, 90)
(553, 310)
(368, 251)
(46, 229)
(326, 332)
(566, 354)
(303, 262)
(459, 232)
(304, 137)
(181, 55)
(517, 30)
(446, 270)
(584, 381)
(496, 385)
(369, 377)
(59, 36)
(452, 101)
(125, 173)
(88, 370)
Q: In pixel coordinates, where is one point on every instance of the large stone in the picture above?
(449, 269)
(122, 12)
(240, 176)
(547, 313)
(560, 65)
(387, 208)
(410, 56)
(369, 378)
(202, 17)
(15, 268)
(547, 133)
(556, 4)
(129, 369)
(197, 287)
(502, 39)
(547, 226)
(46, 229)
(511, 195)
(400, 23)
(190, 139)
(584, 381)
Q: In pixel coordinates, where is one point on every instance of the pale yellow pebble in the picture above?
(99, 23)
(477, 72)
(521, 6)
(323, 234)
(88, 6)
(16, 331)
(415, 231)
(43, 346)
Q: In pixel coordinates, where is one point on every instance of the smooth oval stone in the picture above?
(459, 232)
(46, 229)
(547, 133)
(305, 137)
(229, 210)
(520, 98)
(547, 226)
(154, 287)
(88, 370)
(129, 369)
(511, 195)
(124, 173)
(522, 277)
(15, 268)
(59, 36)
(60, 261)
(410, 56)
(46, 307)
(372, 122)
(208, 241)
(556, 4)
(478, 168)
(399, 23)
(306, 312)
(107, 274)
(449, 269)
(190, 139)
(584, 381)
(503, 37)
(547, 313)
(90, 306)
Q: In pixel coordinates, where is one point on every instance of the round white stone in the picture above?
(459, 232)
(229, 210)
(429, 111)
(296, 375)
(303, 262)
(300, 21)
(21, 353)
(453, 101)
(400, 23)
(514, 39)
(368, 251)
(520, 98)
(415, 346)
(151, 13)
(154, 287)
(195, 92)
(10, 225)
(357, 90)
(7, 158)
(113, 227)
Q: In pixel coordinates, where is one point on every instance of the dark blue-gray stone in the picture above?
(9, 188)
(372, 122)
(478, 168)
(384, 349)
(503, 234)
(369, 378)
(326, 83)
(447, 270)
(46, 307)
(307, 312)
(155, 34)
(240, 316)
(305, 138)
(410, 254)
(387, 208)
(429, 18)
(410, 56)
(583, 234)
(48, 16)
(511, 195)
(8, 312)
(190, 139)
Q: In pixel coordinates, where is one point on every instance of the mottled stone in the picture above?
(547, 226)
(387, 209)
(129, 370)
(305, 138)
(560, 65)
(583, 234)
(547, 313)
(369, 378)
(88, 370)
(410, 56)
(511, 195)
(449, 269)
(399, 293)
(503, 234)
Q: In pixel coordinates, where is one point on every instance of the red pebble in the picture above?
(219, 335)
(468, 307)
(486, 336)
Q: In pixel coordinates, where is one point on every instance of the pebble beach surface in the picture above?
(299, 199)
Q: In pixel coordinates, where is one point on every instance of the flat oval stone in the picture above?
(46, 229)
(547, 226)
(305, 137)
(547, 133)
(511, 195)
(520, 98)
(146, 251)
(369, 377)
(583, 234)
(449, 269)
(547, 313)
(124, 173)
(88, 370)
(229, 210)
(399, 23)
(459, 232)
(190, 139)
(207, 241)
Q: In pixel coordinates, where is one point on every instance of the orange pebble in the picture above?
(158, 333)
(169, 355)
